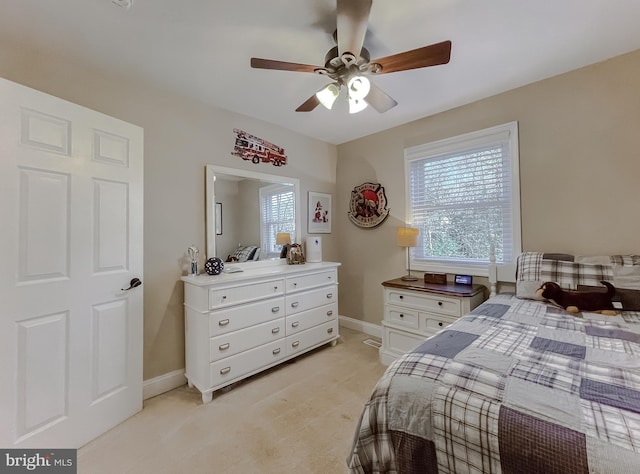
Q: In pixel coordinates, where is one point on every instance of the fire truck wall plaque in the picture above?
(368, 205)
(257, 150)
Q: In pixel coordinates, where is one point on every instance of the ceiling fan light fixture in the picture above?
(359, 87)
(356, 105)
(328, 95)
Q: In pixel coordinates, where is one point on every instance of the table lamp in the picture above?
(284, 239)
(408, 237)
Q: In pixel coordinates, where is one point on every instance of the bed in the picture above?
(517, 385)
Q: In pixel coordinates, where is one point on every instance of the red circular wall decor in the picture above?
(368, 205)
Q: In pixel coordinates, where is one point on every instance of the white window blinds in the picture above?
(278, 215)
(461, 196)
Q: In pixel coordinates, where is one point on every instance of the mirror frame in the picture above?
(212, 170)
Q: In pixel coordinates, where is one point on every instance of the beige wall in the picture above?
(181, 136)
(579, 165)
(578, 159)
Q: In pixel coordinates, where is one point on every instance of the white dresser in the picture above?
(239, 324)
(414, 311)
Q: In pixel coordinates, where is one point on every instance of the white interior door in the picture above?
(71, 209)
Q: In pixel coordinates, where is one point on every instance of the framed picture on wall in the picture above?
(320, 214)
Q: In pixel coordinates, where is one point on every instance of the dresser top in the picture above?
(257, 270)
(449, 289)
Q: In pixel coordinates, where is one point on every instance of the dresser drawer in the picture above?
(429, 302)
(310, 299)
(402, 316)
(231, 319)
(307, 319)
(235, 342)
(305, 282)
(231, 368)
(399, 341)
(432, 323)
(232, 295)
(316, 335)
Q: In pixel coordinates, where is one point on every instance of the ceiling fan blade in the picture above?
(353, 18)
(259, 63)
(379, 100)
(309, 104)
(431, 55)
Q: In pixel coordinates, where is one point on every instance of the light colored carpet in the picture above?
(299, 417)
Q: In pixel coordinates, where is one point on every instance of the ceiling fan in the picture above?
(348, 63)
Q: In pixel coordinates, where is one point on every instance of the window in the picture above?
(463, 194)
(277, 214)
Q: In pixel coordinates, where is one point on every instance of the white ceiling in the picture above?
(201, 49)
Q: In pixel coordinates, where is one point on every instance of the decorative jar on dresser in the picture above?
(239, 324)
(414, 311)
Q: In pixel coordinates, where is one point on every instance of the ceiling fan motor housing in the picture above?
(340, 68)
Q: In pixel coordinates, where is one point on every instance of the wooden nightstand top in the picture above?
(465, 291)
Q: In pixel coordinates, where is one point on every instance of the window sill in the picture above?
(505, 271)
(465, 269)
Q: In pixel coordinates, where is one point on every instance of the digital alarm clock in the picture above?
(463, 279)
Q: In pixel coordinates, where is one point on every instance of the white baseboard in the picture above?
(362, 326)
(163, 383)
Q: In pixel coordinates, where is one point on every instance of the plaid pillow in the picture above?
(244, 253)
(535, 268)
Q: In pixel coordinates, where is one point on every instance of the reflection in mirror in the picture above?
(255, 207)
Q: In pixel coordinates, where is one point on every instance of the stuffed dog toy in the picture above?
(575, 301)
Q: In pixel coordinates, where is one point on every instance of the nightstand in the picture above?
(414, 311)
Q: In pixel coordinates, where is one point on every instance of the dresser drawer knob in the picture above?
(401, 297)
(295, 344)
(295, 324)
(276, 351)
(401, 315)
(224, 322)
(439, 303)
(275, 309)
(295, 283)
(223, 347)
(440, 324)
(294, 304)
(275, 330)
(329, 295)
(330, 330)
(224, 297)
(225, 371)
(275, 288)
(330, 313)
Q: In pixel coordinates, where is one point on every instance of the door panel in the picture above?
(111, 230)
(44, 210)
(71, 239)
(42, 371)
(110, 335)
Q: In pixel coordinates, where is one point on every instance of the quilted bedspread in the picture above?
(515, 386)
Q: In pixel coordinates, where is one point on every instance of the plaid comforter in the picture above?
(515, 386)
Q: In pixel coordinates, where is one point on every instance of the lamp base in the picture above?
(409, 278)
